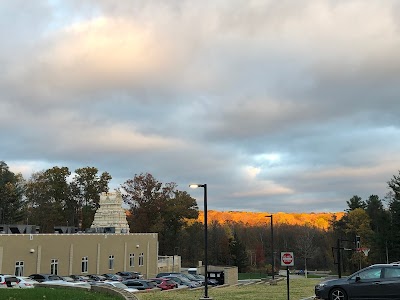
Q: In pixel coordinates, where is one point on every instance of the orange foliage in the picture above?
(319, 220)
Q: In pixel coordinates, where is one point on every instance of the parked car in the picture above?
(44, 277)
(25, 282)
(210, 281)
(120, 285)
(80, 284)
(381, 281)
(130, 275)
(80, 278)
(163, 274)
(141, 284)
(67, 278)
(165, 283)
(8, 281)
(95, 277)
(113, 277)
(182, 281)
(189, 277)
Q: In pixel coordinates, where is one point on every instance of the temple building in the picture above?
(110, 215)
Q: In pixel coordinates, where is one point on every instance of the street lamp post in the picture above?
(205, 240)
(272, 246)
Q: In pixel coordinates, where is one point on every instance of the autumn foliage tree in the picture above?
(158, 207)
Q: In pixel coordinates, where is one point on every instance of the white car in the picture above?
(8, 281)
(120, 285)
(79, 284)
(26, 282)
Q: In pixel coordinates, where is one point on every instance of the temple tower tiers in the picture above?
(110, 213)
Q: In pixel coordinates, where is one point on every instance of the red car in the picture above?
(164, 283)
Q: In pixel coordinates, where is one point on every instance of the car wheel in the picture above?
(337, 294)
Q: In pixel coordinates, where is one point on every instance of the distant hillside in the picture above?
(320, 220)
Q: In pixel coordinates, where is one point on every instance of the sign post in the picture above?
(287, 260)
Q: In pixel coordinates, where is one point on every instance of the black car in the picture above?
(140, 284)
(130, 275)
(44, 277)
(380, 281)
(96, 277)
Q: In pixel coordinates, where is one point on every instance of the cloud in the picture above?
(290, 105)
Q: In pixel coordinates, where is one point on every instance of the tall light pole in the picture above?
(272, 246)
(205, 240)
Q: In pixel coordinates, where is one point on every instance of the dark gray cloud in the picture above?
(277, 105)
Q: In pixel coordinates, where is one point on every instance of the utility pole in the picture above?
(338, 248)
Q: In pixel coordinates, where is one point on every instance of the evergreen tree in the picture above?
(394, 208)
(12, 205)
(238, 253)
(355, 202)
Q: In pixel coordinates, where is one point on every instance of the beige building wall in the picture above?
(37, 251)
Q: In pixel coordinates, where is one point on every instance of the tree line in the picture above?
(52, 198)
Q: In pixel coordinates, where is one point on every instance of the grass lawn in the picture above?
(252, 276)
(52, 294)
(299, 288)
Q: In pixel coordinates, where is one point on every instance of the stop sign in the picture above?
(287, 259)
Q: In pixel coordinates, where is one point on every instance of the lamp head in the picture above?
(195, 186)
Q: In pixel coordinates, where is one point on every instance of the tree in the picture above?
(238, 253)
(354, 203)
(191, 242)
(358, 224)
(12, 205)
(86, 188)
(394, 208)
(394, 185)
(157, 207)
(47, 193)
(178, 210)
(218, 244)
(305, 244)
(380, 219)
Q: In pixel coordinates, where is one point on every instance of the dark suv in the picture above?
(44, 277)
(380, 281)
(129, 275)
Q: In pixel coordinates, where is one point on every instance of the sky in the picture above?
(277, 105)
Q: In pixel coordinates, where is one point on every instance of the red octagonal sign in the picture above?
(287, 259)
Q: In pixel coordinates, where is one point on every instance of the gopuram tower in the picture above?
(110, 214)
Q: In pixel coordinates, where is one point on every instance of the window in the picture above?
(111, 262)
(392, 273)
(19, 268)
(372, 273)
(131, 260)
(54, 267)
(141, 259)
(85, 264)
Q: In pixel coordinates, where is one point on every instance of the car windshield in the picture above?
(190, 276)
(120, 285)
(184, 279)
